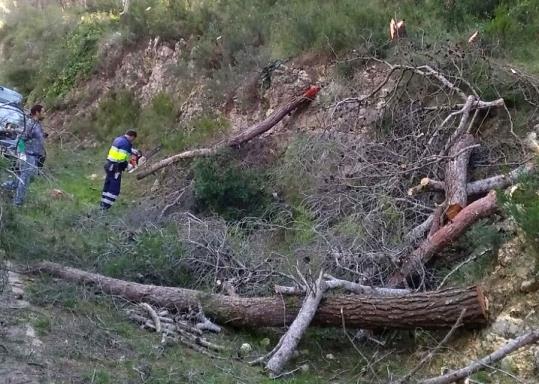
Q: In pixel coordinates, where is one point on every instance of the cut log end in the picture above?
(452, 211)
(483, 302)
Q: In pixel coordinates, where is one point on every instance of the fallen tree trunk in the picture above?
(477, 210)
(438, 309)
(240, 138)
(478, 187)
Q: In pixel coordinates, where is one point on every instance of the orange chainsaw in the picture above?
(135, 160)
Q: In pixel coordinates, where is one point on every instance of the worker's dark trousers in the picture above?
(111, 189)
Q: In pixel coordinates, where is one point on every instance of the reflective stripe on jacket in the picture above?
(120, 151)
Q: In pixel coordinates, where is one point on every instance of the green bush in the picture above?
(153, 257)
(28, 37)
(117, 112)
(229, 190)
(151, 18)
(329, 26)
(523, 206)
(72, 60)
(157, 121)
(514, 27)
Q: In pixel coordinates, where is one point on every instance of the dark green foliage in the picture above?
(329, 26)
(28, 37)
(523, 206)
(153, 257)
(116, 113)
(483, 236)
(157, 121)
(73, 60)
(150, 18)
(228, 189)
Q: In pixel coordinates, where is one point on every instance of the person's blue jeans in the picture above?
(27, 170)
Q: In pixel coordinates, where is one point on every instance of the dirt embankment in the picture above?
(21, 359)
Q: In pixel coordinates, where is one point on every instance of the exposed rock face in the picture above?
(153, 69)
(508, 327)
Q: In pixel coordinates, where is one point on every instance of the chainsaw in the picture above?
(136, 160)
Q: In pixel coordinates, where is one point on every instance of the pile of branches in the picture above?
(187, 328)
(369, 179)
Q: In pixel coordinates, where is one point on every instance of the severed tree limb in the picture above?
(456, 175)
(463, 125)
(418, 232)
(359, 289)
(334, 283)
(292, 337)
(438, 309)
(511, 346)
(157, 322)
(205, 324)
(234, 141)
(479, 104)
(478, 187)
(426, 185)
(477, 210)
(501, 181)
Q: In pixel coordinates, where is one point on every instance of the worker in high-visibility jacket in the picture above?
(117, 162)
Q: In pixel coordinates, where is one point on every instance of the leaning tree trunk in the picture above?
(479, 209)
(439, 309)
(242, 137)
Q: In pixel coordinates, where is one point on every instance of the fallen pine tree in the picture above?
(243, 137)
(436, 309)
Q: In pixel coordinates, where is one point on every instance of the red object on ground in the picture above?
(312, 92)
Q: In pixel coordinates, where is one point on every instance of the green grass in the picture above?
(70, 227)
(92, 336)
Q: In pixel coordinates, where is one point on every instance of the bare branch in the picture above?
(510, 347)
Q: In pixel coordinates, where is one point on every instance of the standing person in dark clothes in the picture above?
(33, 139)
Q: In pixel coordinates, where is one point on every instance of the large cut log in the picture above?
(414, 262)
(438, 309)
(456, 175)
(242, 137)
(478, 187)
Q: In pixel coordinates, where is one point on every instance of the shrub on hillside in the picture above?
(151, 18)
(523, 206)
(71, 60)
(28, 37)
(329, 26)
(514, 26)
(117, 112)
(228, 189)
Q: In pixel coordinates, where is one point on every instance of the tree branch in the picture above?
(511, 346)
